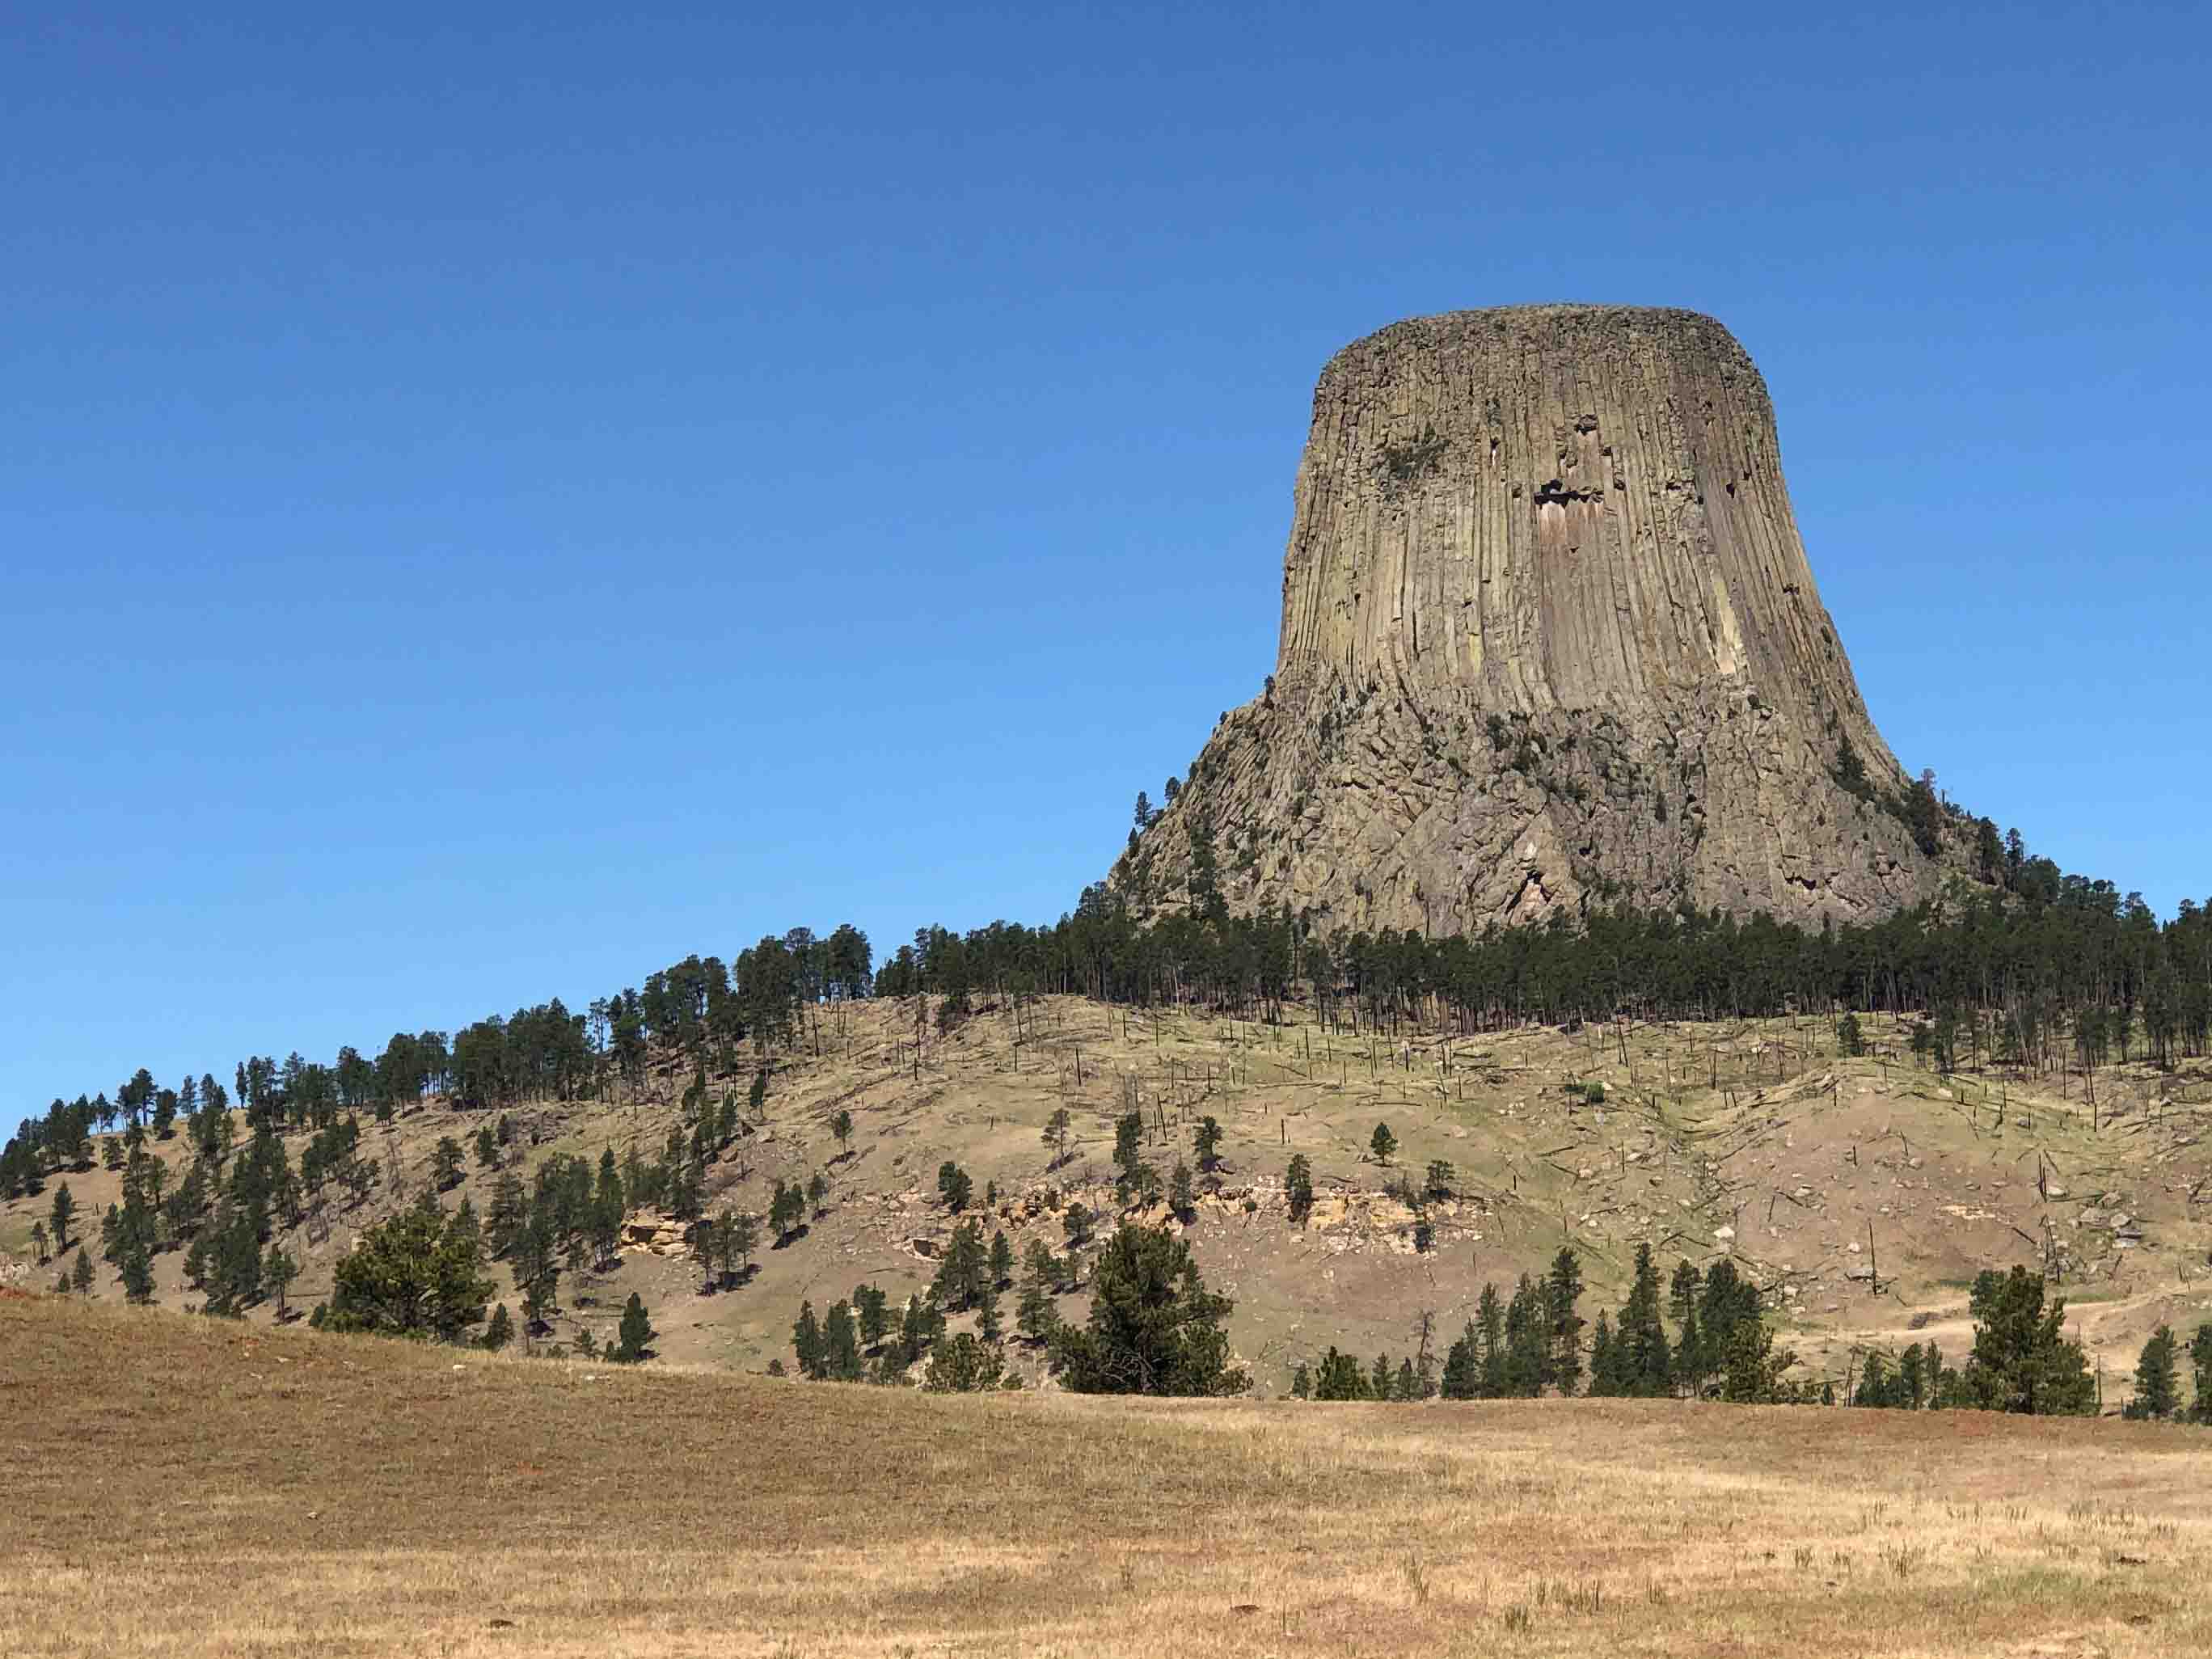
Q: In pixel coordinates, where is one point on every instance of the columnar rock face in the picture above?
(1549, 639)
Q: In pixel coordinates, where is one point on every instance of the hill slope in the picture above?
(1863, 1195)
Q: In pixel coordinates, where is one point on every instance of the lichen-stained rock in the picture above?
(1549, 639)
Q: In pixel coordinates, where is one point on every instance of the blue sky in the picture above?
(491, 507)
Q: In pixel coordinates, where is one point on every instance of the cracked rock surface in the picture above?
(1549, 639)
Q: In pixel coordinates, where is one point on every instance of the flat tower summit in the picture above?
(1549, 639)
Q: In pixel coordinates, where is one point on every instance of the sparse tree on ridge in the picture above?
(1206, 1144)
(1057, 1134)
(1128, 1158)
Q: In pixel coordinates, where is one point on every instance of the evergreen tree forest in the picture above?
(2045, 973)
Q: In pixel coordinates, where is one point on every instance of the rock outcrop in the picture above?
(1549, 639)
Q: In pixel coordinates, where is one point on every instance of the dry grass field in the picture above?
(187, 1487)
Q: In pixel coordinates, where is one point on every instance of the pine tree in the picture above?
(1206, 1143)
(38, 1243)
(1153, 1328)
(1563, 1288)
(1036, 1314)
(65, 1210)
(817, 1193)
(1128, 1130)
(1057, 1133)
(1874, 1388)
(920, 1327)
(954, 1186)
(487, 1149)
(1646, 1366)
(1298, 1183)
(1077, 1223)
(1605, 1371)
(81, 1275)
(446, 1165)
(1527, 1349)
(1440, 1176)
(963, 1273)
(1727, 1299)
(1301, 1382)
(2158, 1386)
(1911, 1383)
(787, 1209)
(842, 1127)
(1383, 1144)
(278, 1272)
(2200, 1366)
(987, 1323)
(1340, 1379)
(1490, 1319)
(1692, 1362)
(841, 1345)
(1751, 1366)
(707, 1250)
(635, 1334)
(500, 1331)
(740, 1236)
(412, 1275)
(1379, 1380)
(806, 1342)
(1002, 1260)
(1181, 1199)
(509, 1214)
(963, 1364)
(1408, 1386)
(1462, 1378)
(2021, 1360)
(872, 1310)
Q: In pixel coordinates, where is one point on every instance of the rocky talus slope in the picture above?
(1549, 639)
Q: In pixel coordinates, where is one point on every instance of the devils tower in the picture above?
(1549, 641)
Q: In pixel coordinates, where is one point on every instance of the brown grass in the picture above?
(185, 1487)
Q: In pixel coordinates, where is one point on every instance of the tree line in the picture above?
(699, 1010)
(2030, 968)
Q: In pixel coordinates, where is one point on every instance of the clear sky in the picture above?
(493, 500)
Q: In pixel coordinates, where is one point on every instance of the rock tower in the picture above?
(1549, 639)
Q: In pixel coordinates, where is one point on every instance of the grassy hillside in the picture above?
(191, 1487)
(1863, 1193)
